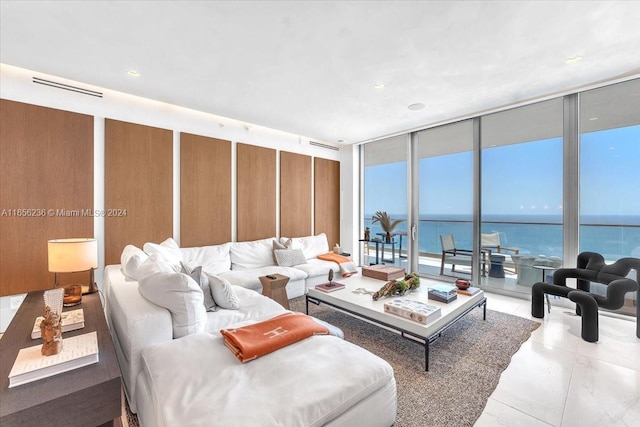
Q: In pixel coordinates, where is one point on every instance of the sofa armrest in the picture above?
(136, 324)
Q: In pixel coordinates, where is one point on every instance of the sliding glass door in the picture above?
(522, 175)
(610, 173)
(385, 191)
(445, 213)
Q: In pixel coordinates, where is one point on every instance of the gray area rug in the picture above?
(464, 364)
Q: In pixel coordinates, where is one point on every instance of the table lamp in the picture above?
(74, 255)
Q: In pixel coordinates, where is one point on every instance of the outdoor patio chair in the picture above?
(591, 268)
(455, 256)
(491, 242)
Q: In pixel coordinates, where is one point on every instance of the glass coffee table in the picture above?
(356, 300)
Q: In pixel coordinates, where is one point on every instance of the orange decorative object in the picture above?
(51, 331)
(462, 284)
(252, 341)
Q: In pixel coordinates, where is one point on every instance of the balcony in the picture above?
(538, 242)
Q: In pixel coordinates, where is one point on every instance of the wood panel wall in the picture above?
(138, 178)
(256, 192)
(205, 190)
(295, 194)
(327, 199)
(46, 173)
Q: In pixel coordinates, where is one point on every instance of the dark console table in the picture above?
(87, 396)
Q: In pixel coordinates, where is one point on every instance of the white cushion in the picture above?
(319, 267)
(254, 254)
(289, 257)
(168, 250)
(250, 279)
(213, 259)
(311, 246)
(154, 264)
(131, 259)
(179, 294)
(223, 293)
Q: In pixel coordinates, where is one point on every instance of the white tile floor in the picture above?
(557, 379)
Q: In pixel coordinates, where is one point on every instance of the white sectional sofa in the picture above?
(242, 263)
(177, 371)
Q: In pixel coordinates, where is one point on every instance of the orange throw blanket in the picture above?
(252, 341)
(347, 267)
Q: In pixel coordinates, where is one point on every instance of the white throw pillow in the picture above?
(131, 260)
(202, 280)
(253, 254)
(223, 293)
(289, 257)
(179, 294)
(311, 246)
(214, 259)
(168, 250)
(154, 264)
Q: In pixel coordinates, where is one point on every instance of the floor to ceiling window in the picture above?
(521, 193)
(610, 172)
(445, 213)
(540, 197)
(385, 190)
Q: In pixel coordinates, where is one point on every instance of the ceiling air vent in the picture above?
(67, 87)
(327, 146)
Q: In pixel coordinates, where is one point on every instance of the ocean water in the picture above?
(532, 235)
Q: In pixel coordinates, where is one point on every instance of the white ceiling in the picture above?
(309, 68)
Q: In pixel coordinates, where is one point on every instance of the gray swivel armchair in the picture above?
(591, 268)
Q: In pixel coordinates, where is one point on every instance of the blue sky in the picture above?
(519, 179)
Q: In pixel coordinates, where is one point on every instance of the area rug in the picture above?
(464, 364)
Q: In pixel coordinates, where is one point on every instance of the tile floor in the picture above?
(557, 379)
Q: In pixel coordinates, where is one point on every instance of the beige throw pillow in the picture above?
(279, 246)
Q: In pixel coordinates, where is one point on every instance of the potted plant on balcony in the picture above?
(386, 223)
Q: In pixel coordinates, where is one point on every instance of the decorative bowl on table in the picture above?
(462, 284)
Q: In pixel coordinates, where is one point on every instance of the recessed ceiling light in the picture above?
(572, 59)
(378, 85)
(133, 73)
(416, 106)
(593, 118)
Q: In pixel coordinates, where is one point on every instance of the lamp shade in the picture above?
(70, 255)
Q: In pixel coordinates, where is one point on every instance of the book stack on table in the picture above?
(71, 320)
(31, 365)
(330, 287)
(470, 291)
(411, 309)
(443, 293)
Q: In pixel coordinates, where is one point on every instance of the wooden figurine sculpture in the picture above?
(410, 282)
(330, 277)
(51, 331)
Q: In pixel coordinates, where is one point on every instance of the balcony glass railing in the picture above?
(534, 238)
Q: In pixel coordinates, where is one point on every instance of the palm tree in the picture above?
(386, 223)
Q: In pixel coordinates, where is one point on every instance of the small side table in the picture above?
(496, 268)
(276, 289)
